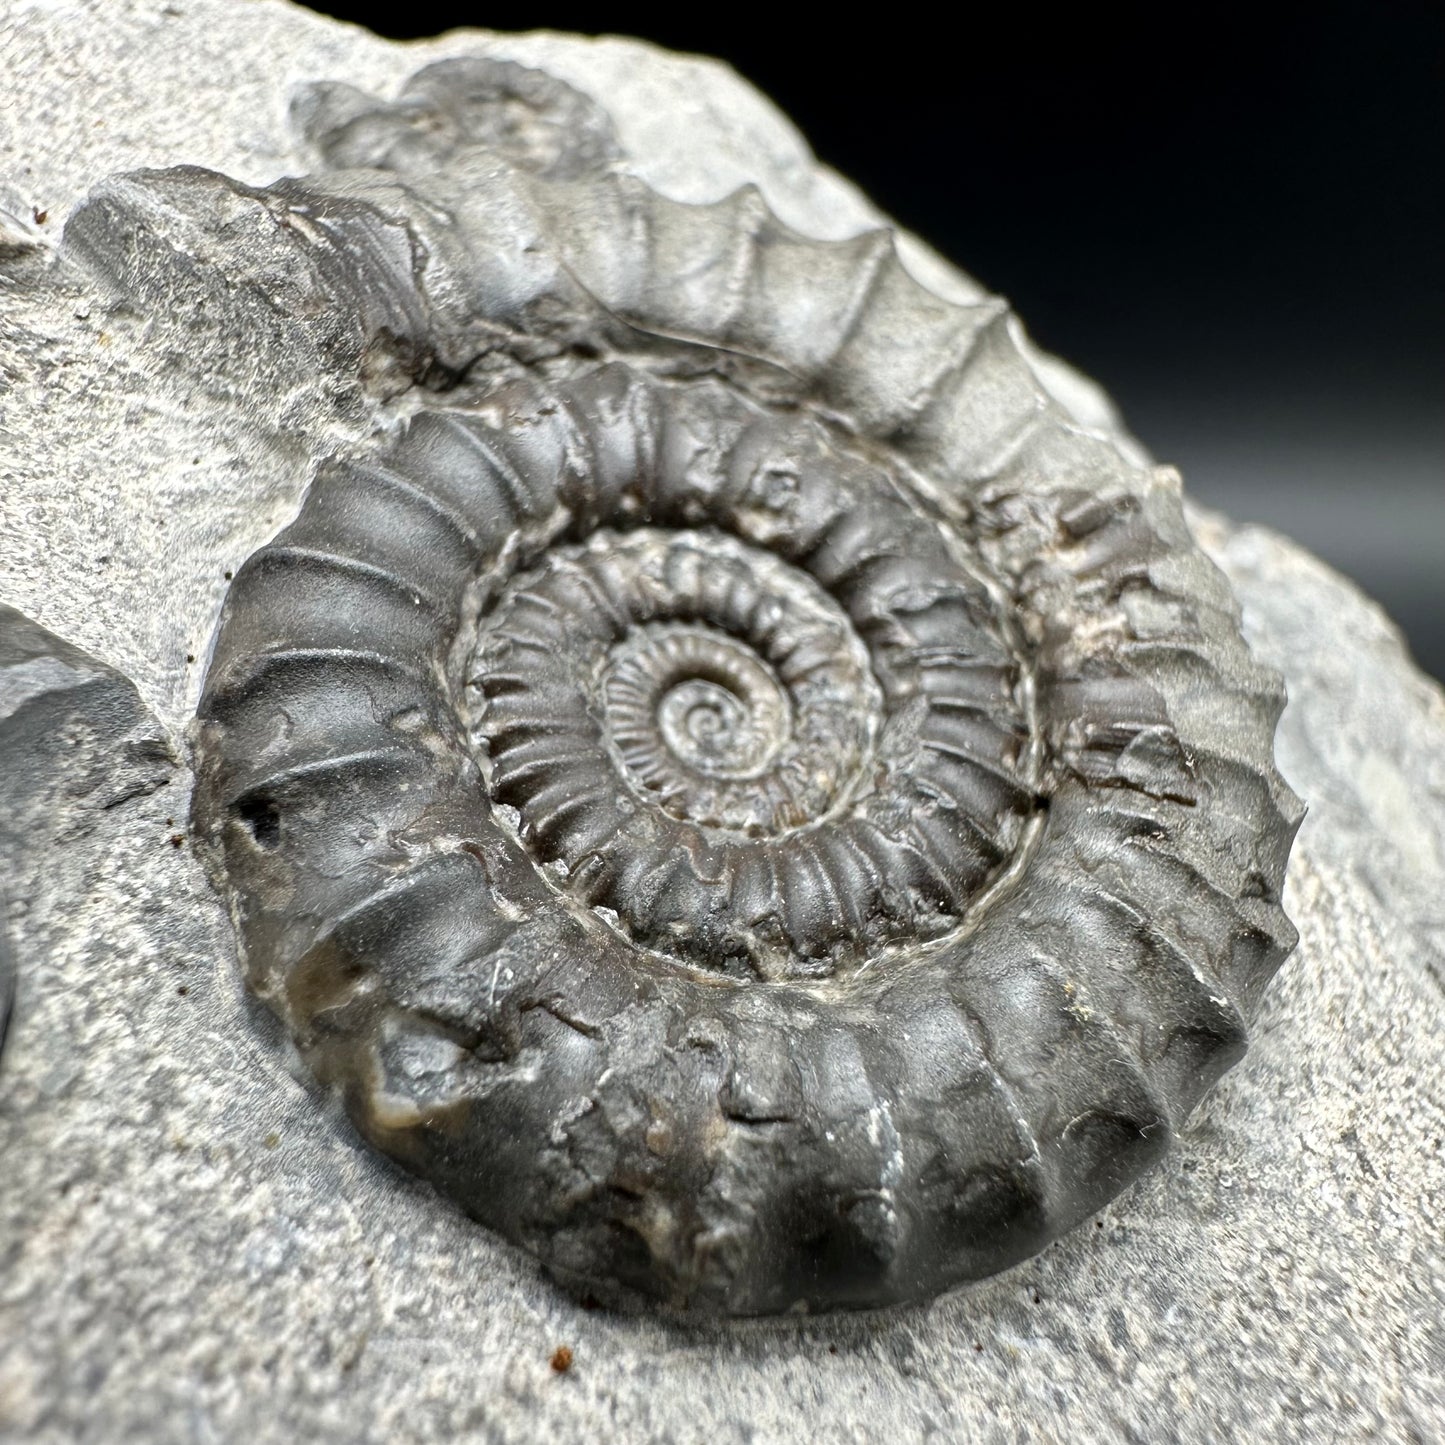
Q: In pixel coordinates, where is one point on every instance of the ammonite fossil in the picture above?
(741, 789)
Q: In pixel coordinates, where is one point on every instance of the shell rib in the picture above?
(746, 795)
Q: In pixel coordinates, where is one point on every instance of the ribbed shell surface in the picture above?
(744, 793)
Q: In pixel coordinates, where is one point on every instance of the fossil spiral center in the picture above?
(701, 722)
(686, 673)
(718, 708)
(769, 733)
(708, 727)
(748, 763)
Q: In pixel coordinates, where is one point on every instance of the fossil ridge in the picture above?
(948, 756)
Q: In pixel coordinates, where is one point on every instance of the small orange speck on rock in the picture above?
(561, 1359)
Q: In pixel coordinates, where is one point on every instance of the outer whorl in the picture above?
(745, 794)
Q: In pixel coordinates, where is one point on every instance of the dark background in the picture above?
(1230, 217)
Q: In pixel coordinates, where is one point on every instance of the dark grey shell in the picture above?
(746, 794)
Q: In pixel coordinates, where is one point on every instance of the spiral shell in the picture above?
(745, 794)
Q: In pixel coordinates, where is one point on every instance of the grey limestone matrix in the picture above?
(735, 782)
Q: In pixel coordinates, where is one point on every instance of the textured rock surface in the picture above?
(77, 743)
(189, 1250)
